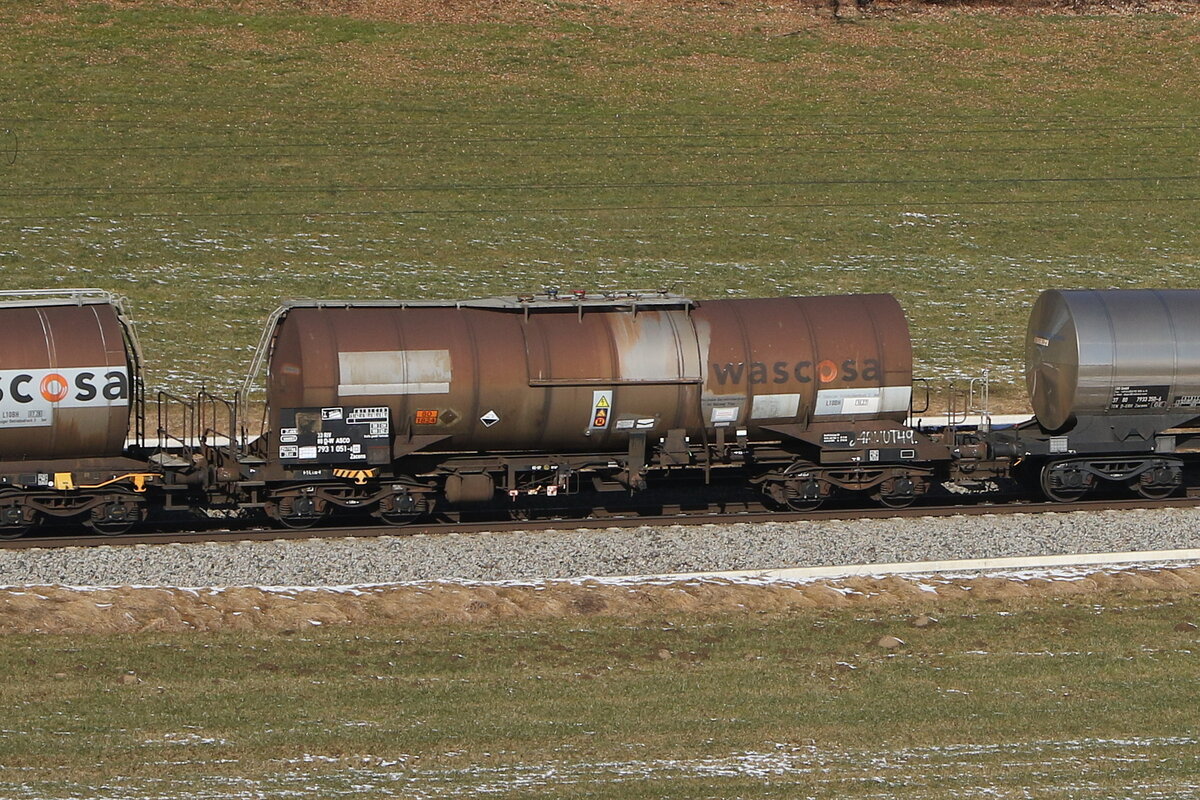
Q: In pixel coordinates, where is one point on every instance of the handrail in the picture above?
(257, 364)
(954, 416)
(207, 401)
(66, 296)
(924, 383)
(980, 405)
(165, 400)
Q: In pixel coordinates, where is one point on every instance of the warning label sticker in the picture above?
(601, 409)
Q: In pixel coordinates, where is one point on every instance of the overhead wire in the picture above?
(89, 191)
(671, 141)
(651, 208)
(1183, 124)
(347, 149)
(393, 106)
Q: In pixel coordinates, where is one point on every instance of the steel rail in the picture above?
(631, 520)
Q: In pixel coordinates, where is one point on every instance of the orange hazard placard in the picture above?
(425, 417)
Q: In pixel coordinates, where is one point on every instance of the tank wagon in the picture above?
(403, 406)
(70, 384)
(1114, 381)
(576, 403)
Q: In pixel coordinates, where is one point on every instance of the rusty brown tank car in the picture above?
(482, 394)
(578, 374)
(66, 372)
(70, 387)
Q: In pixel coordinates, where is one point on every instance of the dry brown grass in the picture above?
(125, 610)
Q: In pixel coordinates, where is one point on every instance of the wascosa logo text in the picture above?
(65, 387)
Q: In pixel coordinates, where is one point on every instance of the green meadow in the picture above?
(1025, 699)
(208, 160)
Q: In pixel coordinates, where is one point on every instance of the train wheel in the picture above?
(297, 513)
(299, 523)
(399, 518)
(114, 516)
(1063, 483)
(16, 521)
(899, 492)
(804, 496)
(396, 520)
(799, 489)
(897, 500)
(16, 531)
(1157, 483)
(399, 510)
(108, 527)
(1154, 492)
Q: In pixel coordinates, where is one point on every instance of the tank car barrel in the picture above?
(577, 376)
(66, 378)
(1117, 352)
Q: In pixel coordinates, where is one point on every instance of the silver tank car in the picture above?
(67, 368)
(578, 372)
(1117, 352)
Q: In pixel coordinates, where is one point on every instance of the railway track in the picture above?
(52, 540)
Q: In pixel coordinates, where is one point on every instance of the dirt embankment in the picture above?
(125, 610)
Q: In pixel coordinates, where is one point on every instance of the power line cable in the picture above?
(483, 212)
(1188, 124)
(360, 148)
(89, 191)
(393, 106)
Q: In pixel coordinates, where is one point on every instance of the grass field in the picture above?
(211, 159)
(1040, 699)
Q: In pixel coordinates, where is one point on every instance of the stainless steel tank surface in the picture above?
(575, 373)
(66, 376)
(1128, 351)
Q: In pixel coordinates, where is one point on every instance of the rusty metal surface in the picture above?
(576, 377)
(1113, 352)
(65, 379)
(805, 359)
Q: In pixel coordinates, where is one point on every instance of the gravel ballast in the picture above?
(605, 552)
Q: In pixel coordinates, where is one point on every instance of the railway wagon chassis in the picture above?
(576, 404)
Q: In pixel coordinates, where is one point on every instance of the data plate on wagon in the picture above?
(335, 435)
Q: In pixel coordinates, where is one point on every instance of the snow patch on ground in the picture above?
(963, 769)
(925, 581)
